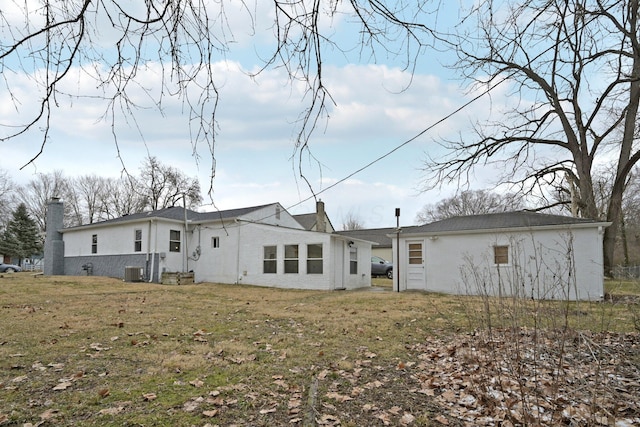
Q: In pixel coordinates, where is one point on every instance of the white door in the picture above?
(415, 265)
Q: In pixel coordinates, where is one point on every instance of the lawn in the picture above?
(98, 351)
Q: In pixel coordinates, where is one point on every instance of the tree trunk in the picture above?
(610, 233)
(623, 235)
(624, 160)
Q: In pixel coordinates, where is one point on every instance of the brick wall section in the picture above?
(110, 265)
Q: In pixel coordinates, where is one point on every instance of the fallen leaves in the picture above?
(63, 384)
(118, 408)
(338, 397)
(522, 377)
(98, 347)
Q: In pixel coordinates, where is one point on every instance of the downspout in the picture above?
(153, 255)
(238, 277)
(185, 252)
(155, 248)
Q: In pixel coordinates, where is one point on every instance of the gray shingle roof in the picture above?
(178, 213)
(308, 221)
(377, 235)
(519, 219)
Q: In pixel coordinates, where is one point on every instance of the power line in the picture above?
(398, 147)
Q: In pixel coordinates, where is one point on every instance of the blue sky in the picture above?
(376, 111)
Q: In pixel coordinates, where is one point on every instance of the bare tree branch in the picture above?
(574, 67)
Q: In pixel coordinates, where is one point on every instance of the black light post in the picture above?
(397, 263)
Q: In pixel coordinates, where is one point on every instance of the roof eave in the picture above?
(580, 225)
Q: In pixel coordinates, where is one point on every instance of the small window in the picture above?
(215, 242)
(174, 240)
(277, 212)
(314, 259)
(270, 263)
(501, 254)
(291, 258)
(415, 253)
(94, 244)
(137, 241)
(353, 260)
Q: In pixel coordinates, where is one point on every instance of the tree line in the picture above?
(570, 70)
(92, 198)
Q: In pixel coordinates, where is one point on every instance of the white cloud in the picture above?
(254, 143)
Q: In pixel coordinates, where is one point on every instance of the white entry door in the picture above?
(415, 264)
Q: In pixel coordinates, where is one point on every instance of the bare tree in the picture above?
(469, 202)
(164, 186)
(7, 198)
(37, 193)
(351, 221)
(121, 197)
(572, 67)
(86, 195)
(630, 224)
(113, 41)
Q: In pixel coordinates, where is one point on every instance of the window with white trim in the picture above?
(501, 254)
(94, 244)
(174, 240)
(291, 258)
(353, 260)
(270, 262)
(137, 240)
(314, 259)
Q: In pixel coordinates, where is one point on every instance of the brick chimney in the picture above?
(321, 223)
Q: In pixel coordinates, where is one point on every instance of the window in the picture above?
(353, 260)
(270, 263)
(501, 254)
(94, 244)
(290, 258)
(137, 241)
(215, 242)
(415, 253)
(314, 259)
(277, 212)
(174, 240)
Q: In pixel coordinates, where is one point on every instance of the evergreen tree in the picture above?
(21, 238)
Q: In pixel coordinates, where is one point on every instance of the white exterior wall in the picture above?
(240, 255)
(118, 239)
(269, 215)
(544, 264)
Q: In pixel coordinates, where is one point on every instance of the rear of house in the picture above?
(262, 245)
(520, 254)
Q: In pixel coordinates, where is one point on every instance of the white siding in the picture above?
(269, 215)
(118, 239)
(545, 264)
(240, 256)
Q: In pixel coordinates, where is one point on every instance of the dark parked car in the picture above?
(9, 268)
(381, 267)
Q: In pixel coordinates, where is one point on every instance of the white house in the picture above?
(261, 245)
(522, 253)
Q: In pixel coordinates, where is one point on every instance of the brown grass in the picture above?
(97, 351)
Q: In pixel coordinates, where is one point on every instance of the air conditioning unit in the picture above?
(133, 274)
